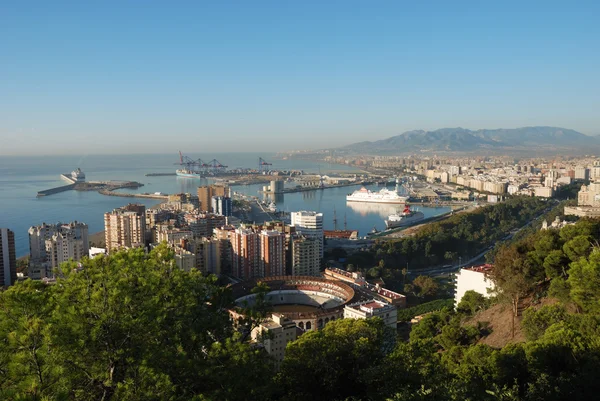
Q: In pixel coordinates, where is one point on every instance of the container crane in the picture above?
(262, 163)
(188, 163)
(217, 166)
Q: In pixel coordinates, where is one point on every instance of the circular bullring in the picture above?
(310, 302)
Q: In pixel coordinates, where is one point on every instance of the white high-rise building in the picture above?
(309, 224)
(52, 244)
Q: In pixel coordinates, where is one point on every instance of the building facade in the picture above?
(474, 278)
(8, 259)
(370, 309)
(222, 205)
(245, 253)
(305, 259)
(205, 194)
(52, 244)
(125, 227)
(309, 224)
(272, 253)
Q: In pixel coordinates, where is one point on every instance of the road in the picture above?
(436, 271)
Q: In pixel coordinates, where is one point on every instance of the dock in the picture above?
(305, 189)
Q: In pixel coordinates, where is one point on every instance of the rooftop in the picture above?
(481, 268)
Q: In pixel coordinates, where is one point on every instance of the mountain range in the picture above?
(461, 140)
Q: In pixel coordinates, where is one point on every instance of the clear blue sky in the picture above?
(145, 76)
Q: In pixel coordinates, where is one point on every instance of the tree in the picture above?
(425, 286)
(130, 326)
(584, 281)
(511, 278)
(471, 302)
(331, 363)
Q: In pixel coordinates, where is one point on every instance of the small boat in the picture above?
(272, 207)
(373, 231)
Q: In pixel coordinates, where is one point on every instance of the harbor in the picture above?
(77, 182)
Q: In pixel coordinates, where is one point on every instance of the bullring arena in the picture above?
(310, 302)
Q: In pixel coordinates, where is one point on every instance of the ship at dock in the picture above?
(383, 196)
(74, 176)
(406, 218)
(184, 172)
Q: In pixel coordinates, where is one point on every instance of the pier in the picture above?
(103, 187)
(56, 190)
(311, 188)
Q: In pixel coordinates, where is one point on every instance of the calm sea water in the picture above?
(22, 177)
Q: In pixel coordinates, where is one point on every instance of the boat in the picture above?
(74, 177)
(188, 173)
(383, 196)
(373, 231)
(272, 207)
(406, 218)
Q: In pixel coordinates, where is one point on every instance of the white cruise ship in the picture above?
(383, 196)
(406, 218)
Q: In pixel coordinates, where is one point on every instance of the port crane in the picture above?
(188, 163)
(262, 163)
(216, 166)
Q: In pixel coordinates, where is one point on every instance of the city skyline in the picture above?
(272, 77)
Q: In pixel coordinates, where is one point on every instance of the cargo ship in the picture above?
(188, 173)
(406, 218)
(383, 196)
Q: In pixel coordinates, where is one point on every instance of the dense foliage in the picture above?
(127, 327)
(462, 235)
(405, 315)
(134, 327)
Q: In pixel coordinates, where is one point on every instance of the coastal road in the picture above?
(437, 271)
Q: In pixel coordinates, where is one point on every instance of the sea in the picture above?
(21, 177)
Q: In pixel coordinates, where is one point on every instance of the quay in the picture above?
(312, 188)
(159, 174)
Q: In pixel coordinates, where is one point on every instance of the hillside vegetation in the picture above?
(134, 327)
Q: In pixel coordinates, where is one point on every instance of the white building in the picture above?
(274, 334)
(373, 308)
(474, 278)
(52, 244)
(309, 224)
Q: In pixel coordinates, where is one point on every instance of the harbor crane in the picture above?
(262, 163)
(188, 163)
(216, 166)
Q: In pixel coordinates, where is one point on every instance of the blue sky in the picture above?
(144, 76)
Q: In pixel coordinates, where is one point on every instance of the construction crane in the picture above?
(262, 163)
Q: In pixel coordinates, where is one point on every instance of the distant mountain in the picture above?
(459, 140)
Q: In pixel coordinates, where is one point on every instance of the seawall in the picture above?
(56, 190)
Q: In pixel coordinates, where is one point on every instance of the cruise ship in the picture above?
(188, 173)
(406, 218)
(383, 196)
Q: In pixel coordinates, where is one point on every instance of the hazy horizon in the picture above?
(113, 78)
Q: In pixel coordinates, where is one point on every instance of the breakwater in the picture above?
(56, 190)
(110, 192)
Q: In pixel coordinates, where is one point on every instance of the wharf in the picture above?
(129, 195)
(305, 189)
(160, 174)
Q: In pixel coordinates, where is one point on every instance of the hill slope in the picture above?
(464, 140)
